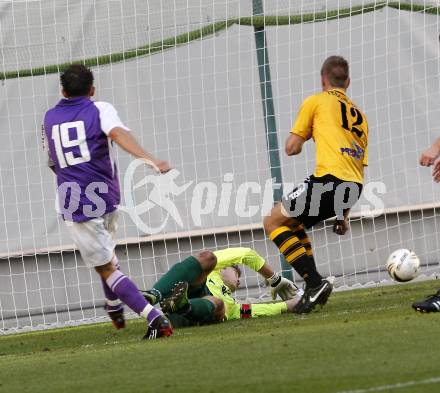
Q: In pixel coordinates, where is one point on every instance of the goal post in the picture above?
(269, 114)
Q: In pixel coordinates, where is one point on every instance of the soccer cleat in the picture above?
(160, 327)
(323, 300)
(430, 304)
(117, 318)
(314, 296)
(178, 301)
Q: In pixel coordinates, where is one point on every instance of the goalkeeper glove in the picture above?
(281, 286)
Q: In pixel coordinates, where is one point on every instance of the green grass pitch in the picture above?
(363, 341)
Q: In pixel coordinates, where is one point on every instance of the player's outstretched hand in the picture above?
(429, 156)
(285, 288)
(162, 166)
(340, 227)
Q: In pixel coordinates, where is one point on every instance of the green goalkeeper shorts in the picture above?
(194, 293)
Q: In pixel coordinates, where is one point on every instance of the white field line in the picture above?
(396, 386)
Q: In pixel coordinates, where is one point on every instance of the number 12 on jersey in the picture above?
(60, 136)
(355, 113)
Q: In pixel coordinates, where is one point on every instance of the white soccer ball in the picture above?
(403, 265)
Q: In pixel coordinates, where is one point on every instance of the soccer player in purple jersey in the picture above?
(80, 135)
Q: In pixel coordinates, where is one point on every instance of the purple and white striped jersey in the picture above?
(77, 136)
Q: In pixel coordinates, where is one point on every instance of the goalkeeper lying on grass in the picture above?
(199, 289)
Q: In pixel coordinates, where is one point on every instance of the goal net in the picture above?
(212, 87)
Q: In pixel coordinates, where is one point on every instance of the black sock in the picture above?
(296, 255)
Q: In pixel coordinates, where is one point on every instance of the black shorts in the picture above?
(320, 198)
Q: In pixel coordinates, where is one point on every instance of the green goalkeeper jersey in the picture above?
(239, 256)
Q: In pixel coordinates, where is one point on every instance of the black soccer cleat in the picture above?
(160, 327)
(322, 301)
(430, 304)
(117, 318)
(178, 301)
(314, 296)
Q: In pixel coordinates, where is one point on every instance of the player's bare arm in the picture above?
(129, 143)
(294, 144)
(436, 172)
(51, 164)
(429, 156)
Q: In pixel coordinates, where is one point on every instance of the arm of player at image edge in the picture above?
(50, 162)
(430, 157)
(128, 142)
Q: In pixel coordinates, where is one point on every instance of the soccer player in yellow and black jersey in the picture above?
(340, 132)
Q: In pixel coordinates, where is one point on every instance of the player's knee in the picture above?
(278, 217)
(268, 223)
(105, 270)
(219, 309)
(207, 260)
(272, 222)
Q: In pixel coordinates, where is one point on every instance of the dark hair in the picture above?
(76, 80)
(336, 69)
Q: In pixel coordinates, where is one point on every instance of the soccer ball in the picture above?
(403, 265)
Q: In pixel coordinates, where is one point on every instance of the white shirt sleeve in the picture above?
(108, 117)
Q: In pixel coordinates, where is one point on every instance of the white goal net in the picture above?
(187, 78)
